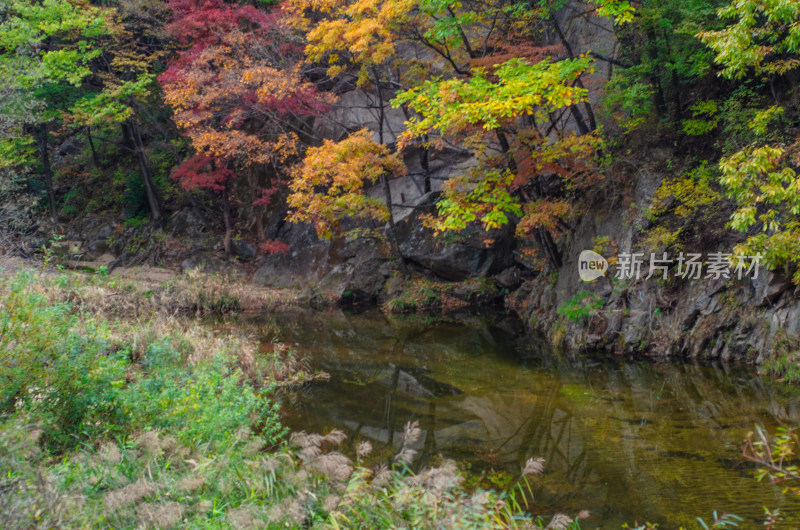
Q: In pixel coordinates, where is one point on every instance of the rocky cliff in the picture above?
(753, 319)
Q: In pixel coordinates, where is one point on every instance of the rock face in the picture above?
(337, 271)
(356, 272)
(307, 261)
(459, 259)
(745, 320)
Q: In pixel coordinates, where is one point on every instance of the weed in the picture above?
(581, 306)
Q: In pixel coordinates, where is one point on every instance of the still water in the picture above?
(625, 439)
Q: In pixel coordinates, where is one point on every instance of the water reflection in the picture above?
(624, 439)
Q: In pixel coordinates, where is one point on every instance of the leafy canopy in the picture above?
(762, 40)
(521, 88)
(494, 101)
(329, 185)
(46, 52)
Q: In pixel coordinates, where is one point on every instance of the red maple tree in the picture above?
(239, 95)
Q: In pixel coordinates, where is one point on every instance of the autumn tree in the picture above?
(517, 101)
(329, 185)
(481, 77)
(238, 95)
(485, 111)
(761, 42)
(358, 43)
(357, 40)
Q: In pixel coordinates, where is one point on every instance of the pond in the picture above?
(625, 439)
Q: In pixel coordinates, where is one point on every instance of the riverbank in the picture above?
(753, 322)
(154, 418)
(146, 419)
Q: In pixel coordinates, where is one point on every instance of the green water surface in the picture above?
(628, 440)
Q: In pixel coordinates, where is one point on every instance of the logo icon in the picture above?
(591, 265)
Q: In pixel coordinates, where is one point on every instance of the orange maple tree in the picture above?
(342, 169)
(239, 96)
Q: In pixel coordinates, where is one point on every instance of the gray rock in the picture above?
(243, 250)
(347, 273)
(207, 262)
(306, 262)
(770, 288)
(185, 223)
(510, 278)
(465, 257)
(97, 247)
(358, 279)
(34, 244)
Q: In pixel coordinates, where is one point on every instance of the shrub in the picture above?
(55, 368)
(82, 378)
(206, 405)
(581, 306)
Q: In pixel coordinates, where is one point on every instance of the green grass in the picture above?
(785, 366)
(425, 295)
(147, 423)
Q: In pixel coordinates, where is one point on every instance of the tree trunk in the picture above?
(549, 246)
(676, 86)
(47, 170)
(228, 219)
(586, 104)
(393, 243)
(424, 157)
(576, 114)
(95, 158)
(387, 191)
(153, 202)
(261, 232)
(258, 211)
(655, 77)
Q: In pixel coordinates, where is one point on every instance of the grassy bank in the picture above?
(143, 291)
(116, 415)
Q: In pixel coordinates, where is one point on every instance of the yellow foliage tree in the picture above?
(329, 185)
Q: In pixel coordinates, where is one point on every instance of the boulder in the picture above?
(360, 277)
(306, 262)
(346, 272)
(454, 257)
(510, 278)
(185, 223)
(770, 287)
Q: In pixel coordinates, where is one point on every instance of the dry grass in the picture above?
(133, 293)
(208, 465)
(138, 317)
(192, 293)
(130, 494)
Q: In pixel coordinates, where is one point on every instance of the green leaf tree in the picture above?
(497, 114)
(761, 41)
(75, 65)
(47, 49)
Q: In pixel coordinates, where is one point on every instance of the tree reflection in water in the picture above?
(624, 439)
